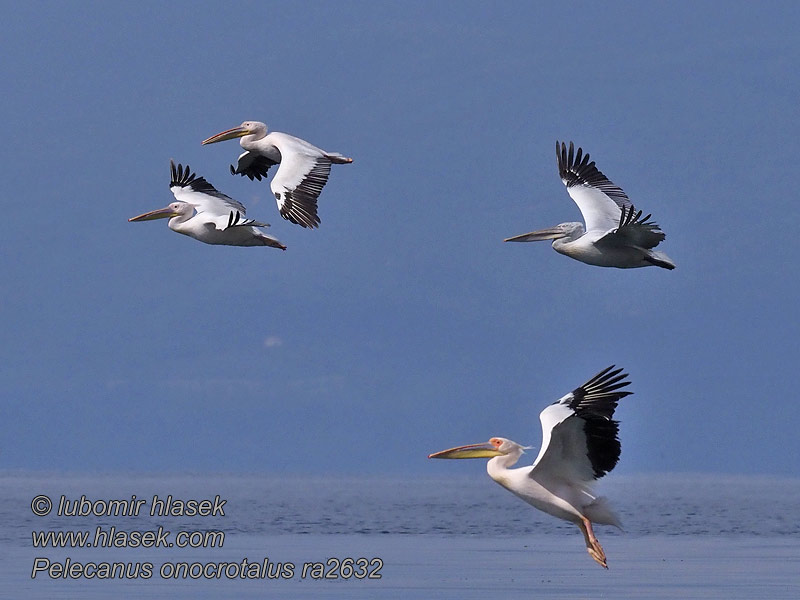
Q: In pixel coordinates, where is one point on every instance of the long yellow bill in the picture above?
(228, 134)
(161, 213)
(484, 450)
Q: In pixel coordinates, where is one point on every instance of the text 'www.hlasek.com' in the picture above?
(162, 538)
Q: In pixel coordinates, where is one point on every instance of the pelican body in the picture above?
(302, 172)
(580, 445)
(616, 235)
(207, 215)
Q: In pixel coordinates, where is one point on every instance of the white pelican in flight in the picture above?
(579, 446)
(208, 215)
(615, 235)
(302, 173)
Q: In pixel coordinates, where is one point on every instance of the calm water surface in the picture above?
(685, 536)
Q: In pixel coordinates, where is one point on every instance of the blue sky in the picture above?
(403, 325)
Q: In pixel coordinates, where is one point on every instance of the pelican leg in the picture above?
(593, 547)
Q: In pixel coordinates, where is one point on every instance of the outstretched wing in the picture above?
(579, 435)
(302, 174)
(236, 219)
(633, 230)
(598, 198)
(253, 165)
(297, 186)
(216, 207)
(187, 187)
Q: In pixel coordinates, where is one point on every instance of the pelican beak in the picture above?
(536, 236)
(228, 134)
(484, 450)
(161, 213)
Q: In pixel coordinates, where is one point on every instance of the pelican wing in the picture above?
(599, 199)
(187, 187)
(253, 165)
(633, 230)
(297, 185)
(579, 436)
(302, 174)
(237, 219)
(216, 207)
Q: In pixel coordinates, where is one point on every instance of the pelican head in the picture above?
(496, 446)
(254, 128)
(562, 230)
(176, 209)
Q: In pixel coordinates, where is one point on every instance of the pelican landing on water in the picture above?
(302, 172)
(208, 215)
(580, 444)
(616, 235)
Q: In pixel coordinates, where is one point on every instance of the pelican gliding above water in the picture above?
(579, 446)
(302, 172)
(616, 235)
(207, 215)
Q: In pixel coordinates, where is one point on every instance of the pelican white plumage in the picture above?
(615, 234)
(207, 215)
(302, 172)
(580, 444)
